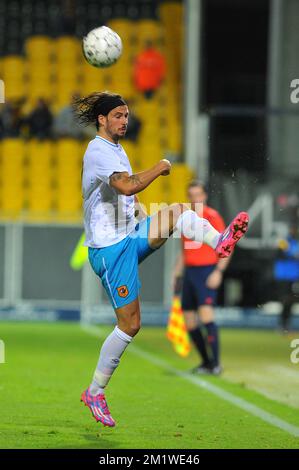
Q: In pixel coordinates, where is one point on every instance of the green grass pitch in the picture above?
(49, 365)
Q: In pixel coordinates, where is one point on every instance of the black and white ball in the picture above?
(102, 47)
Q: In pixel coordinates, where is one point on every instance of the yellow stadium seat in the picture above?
(69, 85)
(40, 162)
(181, 175)
(39, 72)
(73, 189)
(39, 203)
(41, 85)
(149, 132)
(39, 89)
(68, 162)
(64, 92)
(68, 199)
(12, 176)
(153, 196)
(90, 73)
(14, 90)
(68, 74)
(93, 79)
(83, 145)
(174, 138)
(13, 68)
(171, 12)
(67, 49)
(149, 154)
(39, 48)
(147, 108)
(67, 149)
(122, 88)
(12, 202)
(91, 87)
(40, 177)
(123, 69)
(130, 147)
(13, 148)
(0, 163)
(132, 151)
(123, 27)
(148, 30)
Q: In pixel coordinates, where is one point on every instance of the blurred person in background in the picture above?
(65, 123)
(286, 274)
(134, 124)
(149, 70)
(11, 120)
(198, 274)
(40, 121)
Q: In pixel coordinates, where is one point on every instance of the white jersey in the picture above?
(108, 216)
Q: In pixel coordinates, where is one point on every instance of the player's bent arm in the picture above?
(130, 185)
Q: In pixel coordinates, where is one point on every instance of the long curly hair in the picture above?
(87, 109)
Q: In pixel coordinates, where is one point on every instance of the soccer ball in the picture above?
(102, 47)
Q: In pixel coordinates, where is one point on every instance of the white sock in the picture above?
(197, 229)
(111, 352)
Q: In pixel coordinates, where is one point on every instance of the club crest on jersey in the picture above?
(122, 291)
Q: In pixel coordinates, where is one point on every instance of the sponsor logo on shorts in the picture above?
(122, 291)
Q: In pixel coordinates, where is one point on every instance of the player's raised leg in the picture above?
(179, 217)
(188, 223)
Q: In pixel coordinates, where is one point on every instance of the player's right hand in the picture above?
(165, 167)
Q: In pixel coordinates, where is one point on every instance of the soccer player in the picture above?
(116, 243)
(199, 271)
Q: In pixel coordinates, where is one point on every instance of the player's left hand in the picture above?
(214, 280)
